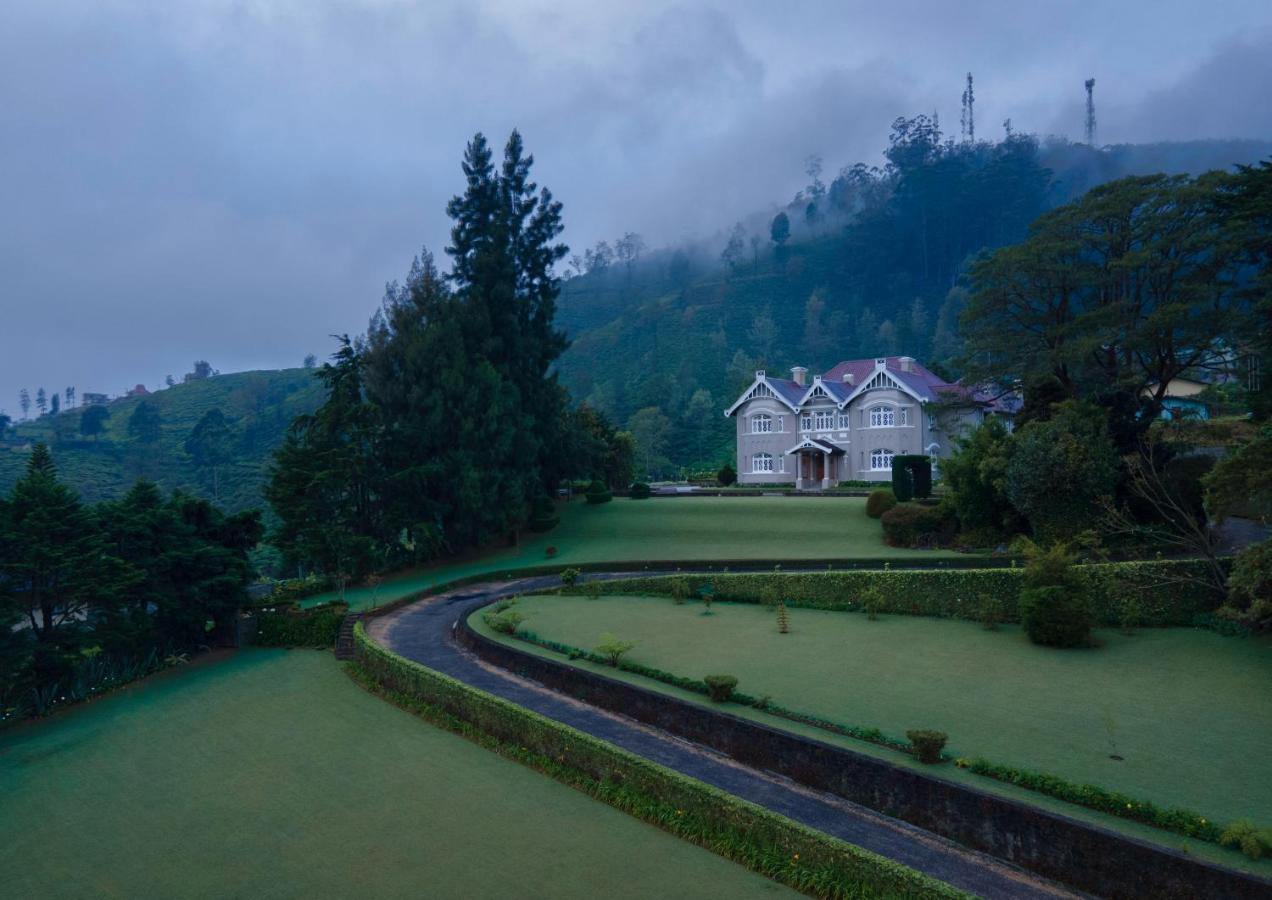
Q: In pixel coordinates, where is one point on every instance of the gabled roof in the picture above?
(837, 392)
(920, 382)
(783, 390)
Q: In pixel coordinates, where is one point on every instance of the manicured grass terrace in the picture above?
(681, 528)
(1186, 709)
(271, 774)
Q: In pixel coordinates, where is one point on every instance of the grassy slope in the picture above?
(263, 403)
(272, 775)
(1184, 707)
(683, 528)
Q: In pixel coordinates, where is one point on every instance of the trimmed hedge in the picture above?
(317, 627)
(918, 525)
(1180, 821)
(772, 845)
(1165, 590)
(639, 491)
(879, 502)
(599, 492)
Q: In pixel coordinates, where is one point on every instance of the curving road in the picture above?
(423, 631)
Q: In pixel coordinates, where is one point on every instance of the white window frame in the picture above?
(824, 420)
(903, 416)
(806, 422)
(845, 420)
(763, 463)
(762, 423)
(881, 455)
(883, 416)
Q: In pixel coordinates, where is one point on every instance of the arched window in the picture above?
(762, 462)
(761, 424)
(882, 416)
(880, 460)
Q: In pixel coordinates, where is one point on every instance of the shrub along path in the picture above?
(423, 632)
(1180, 706)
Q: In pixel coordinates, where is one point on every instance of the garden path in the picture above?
(423, 631)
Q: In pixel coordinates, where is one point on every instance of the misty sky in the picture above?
(237, 180)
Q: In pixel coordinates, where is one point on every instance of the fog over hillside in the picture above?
(236, 181)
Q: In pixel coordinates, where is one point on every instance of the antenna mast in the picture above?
(1090, 116)
(969, 121)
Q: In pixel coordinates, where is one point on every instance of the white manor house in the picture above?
(848, 423)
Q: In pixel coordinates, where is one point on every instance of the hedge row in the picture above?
(1180, 821)
(1168, 592)
(870, 735)
(772, 845)
(317, 627)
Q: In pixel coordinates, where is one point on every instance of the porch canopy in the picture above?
(812, 444)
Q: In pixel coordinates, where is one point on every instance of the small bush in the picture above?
(543, 516)
(506, 622)
(679, 590)
(783, 620)
(639, 491)
(612, 648)
(991, 611)
(927, 744)
(593, 590)
(727, 475)
(1242, 835)
(913, 524)
(1132, 616)
(872, 602)
(707, 592)
(598, 492)
(720, 687)
(569, 576)
(1056, 616)
(879, 502)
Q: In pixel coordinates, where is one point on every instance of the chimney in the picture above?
(850, 378)
(798, 374)
(907, 363)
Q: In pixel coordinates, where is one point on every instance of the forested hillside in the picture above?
(256, 408)
(869, 264)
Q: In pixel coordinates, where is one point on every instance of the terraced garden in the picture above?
(1181, 708)
(271, 774)
(683, 528)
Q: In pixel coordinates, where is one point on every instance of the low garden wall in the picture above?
(1085, 856)
(1167, 592)
(773, 845)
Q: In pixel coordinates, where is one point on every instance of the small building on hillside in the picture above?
(138, 390)
(88, 398)
(1183, 398)
(848, 423)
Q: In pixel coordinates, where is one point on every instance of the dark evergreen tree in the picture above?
(145, 423)
(211, 445)
(93, 421)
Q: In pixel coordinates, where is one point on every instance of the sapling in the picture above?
(783, 621)
(612, 648)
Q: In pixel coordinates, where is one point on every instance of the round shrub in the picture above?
(914, 525)
(543, 515)
(720, 687)
(727, 475)
(639, 491)
(1056, 615)
(598, 492)
(879, 502)
(928, 744)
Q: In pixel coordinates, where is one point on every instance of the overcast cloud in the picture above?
(237, 180)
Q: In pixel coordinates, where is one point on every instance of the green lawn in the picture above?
(682, 528)
(1187, 709)
(270, 774)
